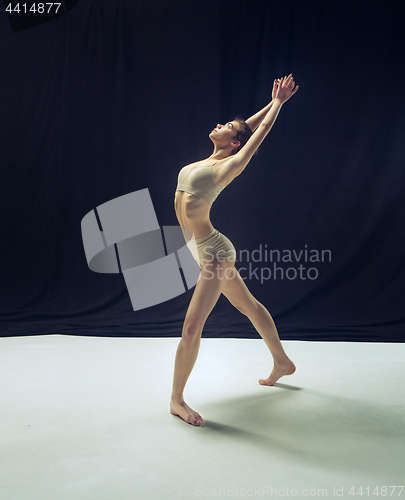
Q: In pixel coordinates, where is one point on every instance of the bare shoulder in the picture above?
(234, 165)
(224, 171)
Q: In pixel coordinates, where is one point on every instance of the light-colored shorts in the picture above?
(213, 245)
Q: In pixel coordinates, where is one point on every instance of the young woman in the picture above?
(198, 185)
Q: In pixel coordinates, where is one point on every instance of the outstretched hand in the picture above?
(283, 88)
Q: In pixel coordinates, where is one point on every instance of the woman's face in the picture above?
(224, 134)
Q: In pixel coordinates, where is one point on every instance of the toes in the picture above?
(198, 420)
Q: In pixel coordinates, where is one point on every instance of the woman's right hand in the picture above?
(285, 88)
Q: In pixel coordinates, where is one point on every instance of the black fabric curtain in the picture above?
(111, 97)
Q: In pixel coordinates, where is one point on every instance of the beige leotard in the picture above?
(199, 181)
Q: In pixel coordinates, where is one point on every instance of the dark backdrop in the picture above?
(116, 96)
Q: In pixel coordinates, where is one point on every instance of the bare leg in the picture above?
(207, 291)
(239, 295)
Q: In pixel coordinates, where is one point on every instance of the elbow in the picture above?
(266, 126)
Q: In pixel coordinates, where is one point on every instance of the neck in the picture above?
(220, 153)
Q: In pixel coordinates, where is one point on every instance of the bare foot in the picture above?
(279, 370)
(183, 411)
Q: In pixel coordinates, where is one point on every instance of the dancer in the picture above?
(198, 186)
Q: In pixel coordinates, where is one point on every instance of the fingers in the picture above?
(289, 82)
(286, 81)
(286, 87)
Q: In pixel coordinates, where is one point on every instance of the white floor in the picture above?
(86, 418)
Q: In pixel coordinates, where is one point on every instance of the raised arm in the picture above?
(236, 164)
(255, 120)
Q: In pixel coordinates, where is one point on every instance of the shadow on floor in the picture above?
(324, 430)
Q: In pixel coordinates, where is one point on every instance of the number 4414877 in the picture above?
(36, 8)
(384, 491)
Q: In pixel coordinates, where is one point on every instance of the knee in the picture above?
(191, 332)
